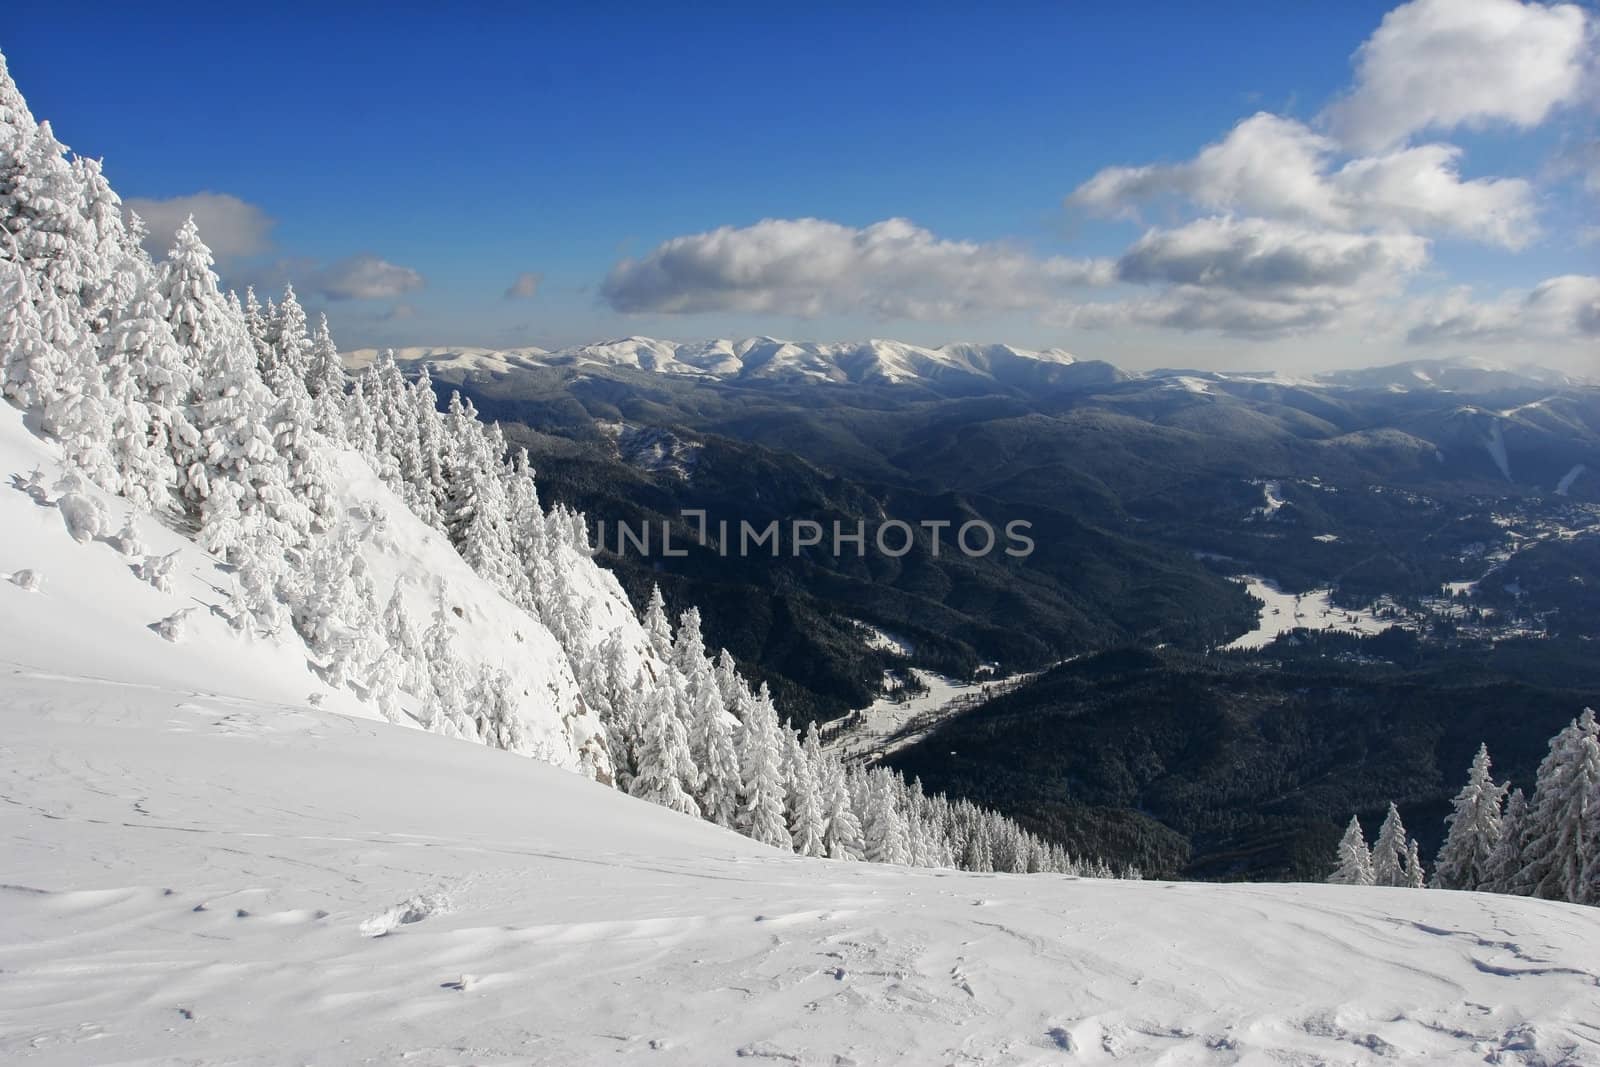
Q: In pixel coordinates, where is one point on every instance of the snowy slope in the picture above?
(403, 553)
(205, 879)
(1281, 612)
(90, 614)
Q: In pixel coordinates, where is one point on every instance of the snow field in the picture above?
(198, 879)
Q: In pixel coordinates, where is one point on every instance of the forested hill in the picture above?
(1249, 765)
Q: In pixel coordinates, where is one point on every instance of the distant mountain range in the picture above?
(886, 409)
(767, 359)
(1126, 476)
(956, 369)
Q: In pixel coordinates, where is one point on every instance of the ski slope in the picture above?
(200, 878)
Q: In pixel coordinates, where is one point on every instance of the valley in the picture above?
(900, 717)
(1284, 523)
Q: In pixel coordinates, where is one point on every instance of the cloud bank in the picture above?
(1562, 309)
(1261, 258)
(1244, 276)
(892, 269)
(232, 228)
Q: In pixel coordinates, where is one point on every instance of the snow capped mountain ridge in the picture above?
(770, 360)
(482, 359)
(1457, 374)
(757, 360)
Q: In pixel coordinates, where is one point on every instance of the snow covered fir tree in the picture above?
(1498, 840)
(234, 424)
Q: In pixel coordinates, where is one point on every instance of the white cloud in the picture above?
(1277, 167)
(1439, 64)
(1271, 259)
(891, 269)
(1304, 231)
(363, 277)
(1192, 308)
(1253, 277)
(526, 285)
(1266, 165)
(1421, 188)
(1562, 309)
(1240, 276)
(232, 228)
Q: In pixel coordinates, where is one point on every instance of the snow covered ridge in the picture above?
(771, 361)
(754, 359)
(366, 549)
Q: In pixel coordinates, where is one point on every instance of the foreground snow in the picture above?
(198, 878)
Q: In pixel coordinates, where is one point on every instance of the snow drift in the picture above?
(200, 878)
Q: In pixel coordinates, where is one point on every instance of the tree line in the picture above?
(1499, 840)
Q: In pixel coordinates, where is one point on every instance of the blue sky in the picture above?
(407, 167)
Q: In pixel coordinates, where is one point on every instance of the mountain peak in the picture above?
(876, 361)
